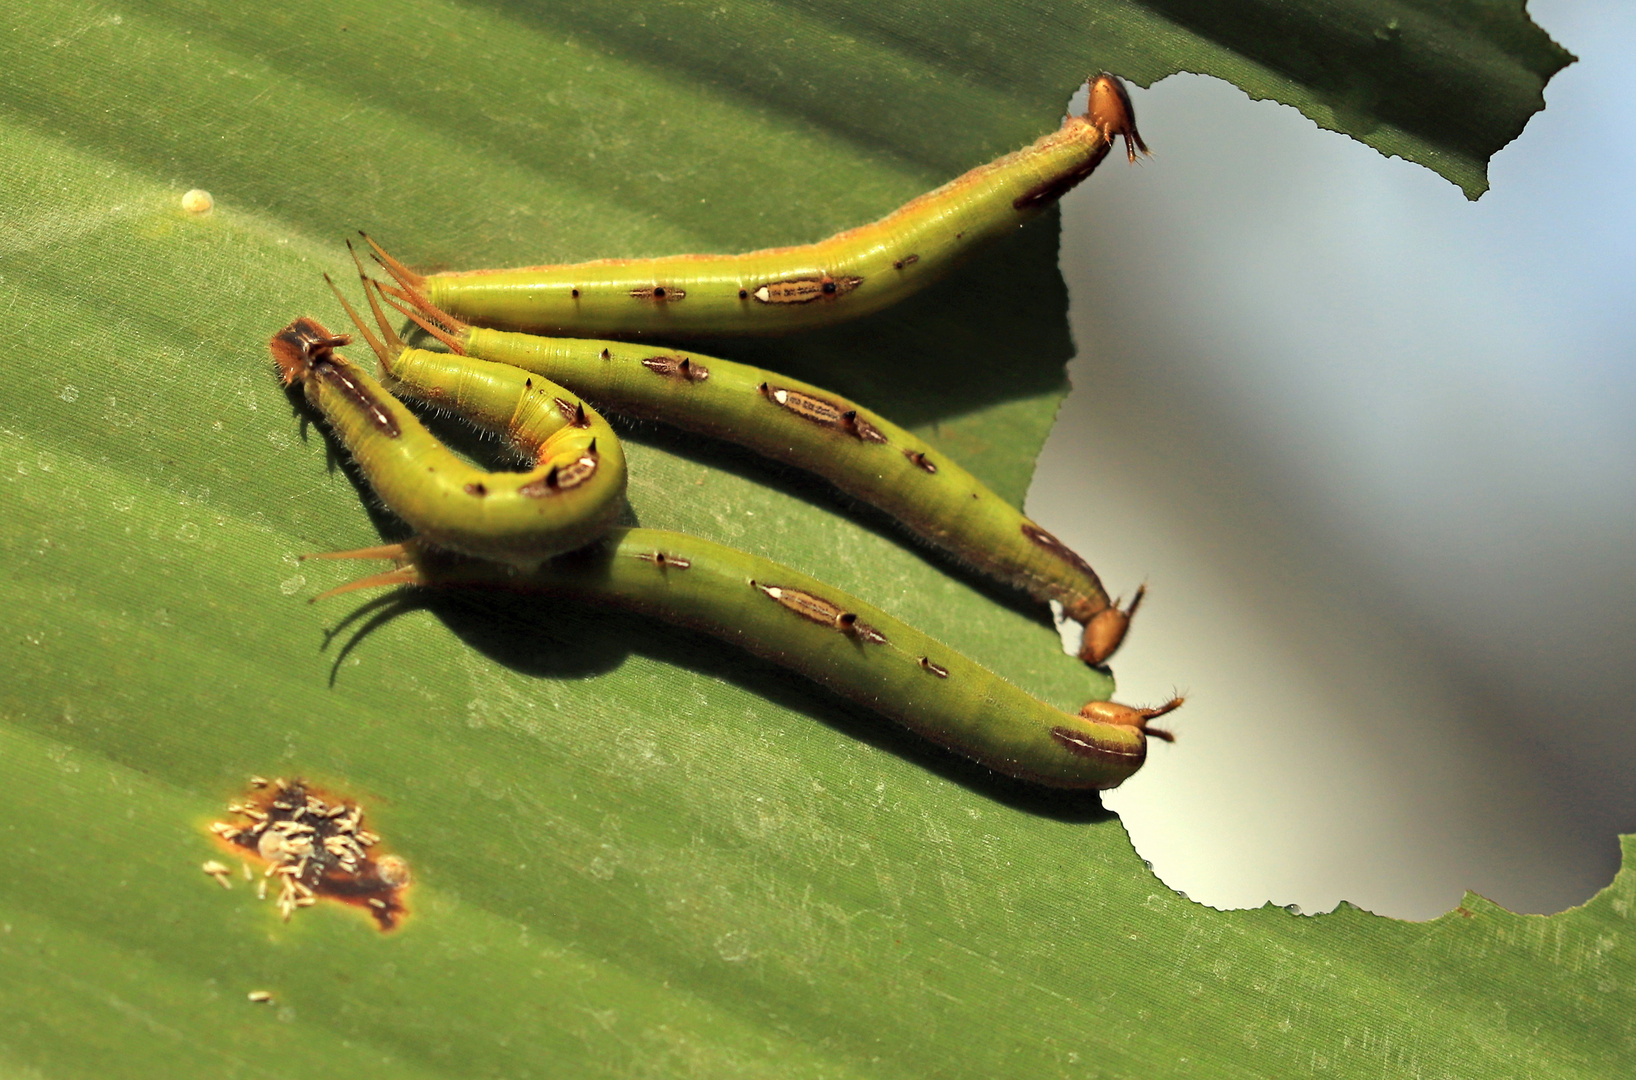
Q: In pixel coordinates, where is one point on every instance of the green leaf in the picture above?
(636, 852)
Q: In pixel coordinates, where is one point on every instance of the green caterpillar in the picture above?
(779, 290)
(571, 495)
(853, 648)
(569, 498)
(861, 453)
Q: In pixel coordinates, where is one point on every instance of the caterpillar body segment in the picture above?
(850, 646)
(862, 453)
(780, 290)
(569, 497)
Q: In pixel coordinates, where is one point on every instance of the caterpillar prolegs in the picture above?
(852, 647)
(778, 290)
(858, 451)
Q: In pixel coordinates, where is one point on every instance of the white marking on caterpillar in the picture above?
(676, 367)
(806, 290)
(822, 612)
(660, 559)
(936, 669)
(822, 411)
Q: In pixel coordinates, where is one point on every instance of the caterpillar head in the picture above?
(1106, 629)
(300, 345)
(1112, 113)
(1111, 712)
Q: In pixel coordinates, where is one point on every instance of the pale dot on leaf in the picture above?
(198, 201)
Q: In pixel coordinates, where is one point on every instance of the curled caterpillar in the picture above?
(570, 496)
(863, 454)
(778, 290)
(852, 647)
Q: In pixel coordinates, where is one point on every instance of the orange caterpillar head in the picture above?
(1111, 712)
(300, 345)
(1112, 113)
(1106, 629)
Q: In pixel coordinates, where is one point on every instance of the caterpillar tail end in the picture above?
(1112, 113)
(405, 574)
(401, 273)
(411, 290)
(1105, 631)
(1111, 712)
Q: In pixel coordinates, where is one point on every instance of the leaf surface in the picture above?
(636, 852)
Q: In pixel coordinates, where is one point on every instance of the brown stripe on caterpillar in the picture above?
(936, 669)
(676, 367)
(822, 612)
(305, 351)
(572, 411)
(658, 294)
(806, 290)
(333, 370)
(806, 406)
(907, 260)
(1077, 742)
(663, 561)
(1056, 547)
(921, 459)
(822, 411)
(564, 477)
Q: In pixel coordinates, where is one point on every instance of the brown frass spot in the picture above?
(315, 845)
